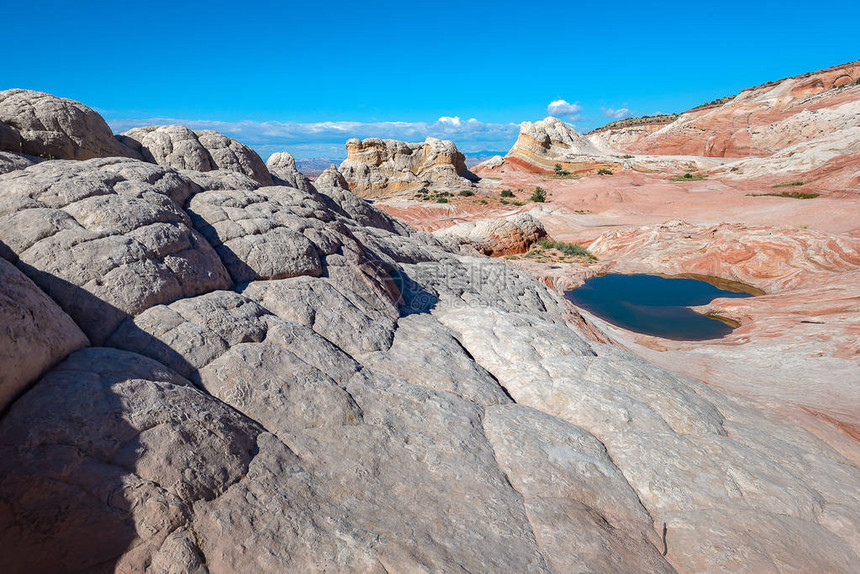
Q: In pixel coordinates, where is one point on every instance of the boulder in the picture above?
(335, 190)
(496, 237)
(116, 460)
(46, 126)
(198, 150)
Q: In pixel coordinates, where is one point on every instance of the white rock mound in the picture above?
(46, 126)
(198, 150)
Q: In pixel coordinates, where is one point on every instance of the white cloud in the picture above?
(326, 138)
(448, 120)
(618, 114)
(564, 109)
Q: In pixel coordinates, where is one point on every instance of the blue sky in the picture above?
(305, 76)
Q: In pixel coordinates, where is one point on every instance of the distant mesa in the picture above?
(377, 168)
(199, 150)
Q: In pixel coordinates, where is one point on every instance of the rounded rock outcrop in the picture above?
(282, 165)
(199, 150)
(43, 125)
(506, 236)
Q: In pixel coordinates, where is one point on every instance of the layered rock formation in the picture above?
(197, 150)
(501, 236)
(46, 126)
(542, 145)
(622, 134)
(831, 162)
(765, 119)
(292, 381)
(376, 167)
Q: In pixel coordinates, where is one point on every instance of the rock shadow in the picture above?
(68, 451)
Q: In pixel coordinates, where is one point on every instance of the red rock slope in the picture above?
(765, 119)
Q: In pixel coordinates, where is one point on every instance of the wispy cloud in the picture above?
(564, 109)
(618, 114)
(326, 139)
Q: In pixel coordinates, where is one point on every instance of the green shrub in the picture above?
(734, 169)
(507, 193)
(791, 194)
(604, 171)
(791, 184)
(627, 156)
(561, 172)
(466, 193)
(539, 195)
(504, 201)
(567, 248)
(518, 203)
(442, 200)
(690, 177)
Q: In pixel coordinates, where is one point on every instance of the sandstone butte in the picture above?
(377, 168)
(205, 372)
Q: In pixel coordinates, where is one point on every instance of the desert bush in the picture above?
(442, 200)
(690, 177)
(507, 193)
(561, 172)
(467, 193)
(604, 171)
(790, 194)
(567, 248)
(790, 184)
(539, 195)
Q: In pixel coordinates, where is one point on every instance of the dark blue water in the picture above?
(654, 305)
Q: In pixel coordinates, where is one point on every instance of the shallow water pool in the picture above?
(655, 305)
